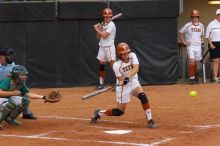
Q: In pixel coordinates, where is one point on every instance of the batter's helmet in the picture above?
(107, 12)
(195, 13)
(18, 70)
(122, 48)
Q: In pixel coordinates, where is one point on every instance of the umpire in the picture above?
(7, 58)
(213, 36)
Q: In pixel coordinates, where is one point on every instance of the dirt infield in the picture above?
(182, 120)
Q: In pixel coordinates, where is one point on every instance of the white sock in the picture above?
(101, 113)
(101, 80)
(148, 114)
(193, 77)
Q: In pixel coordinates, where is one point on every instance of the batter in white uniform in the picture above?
(105, 32)
(126, 69)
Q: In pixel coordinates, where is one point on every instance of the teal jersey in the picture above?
(8, 85)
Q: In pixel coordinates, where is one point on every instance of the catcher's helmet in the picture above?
(107, 12)
(18, 70)
(195, 13)
(122, 48)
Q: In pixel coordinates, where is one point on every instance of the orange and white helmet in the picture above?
(107, 12)
(195, 13)
(122, 48)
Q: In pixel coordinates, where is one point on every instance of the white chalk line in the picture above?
(198, 128)
(87, 141)
(204, 126)
(83, 119)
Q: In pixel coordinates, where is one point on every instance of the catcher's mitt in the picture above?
(53, 96)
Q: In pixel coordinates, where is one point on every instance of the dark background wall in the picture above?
(57, 43)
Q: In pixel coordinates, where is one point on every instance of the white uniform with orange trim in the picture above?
(124, 93)
(193, 33)
(106, 46)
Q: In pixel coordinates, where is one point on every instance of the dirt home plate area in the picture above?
(181, 119)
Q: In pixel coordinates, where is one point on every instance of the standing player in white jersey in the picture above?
(126, 69)
(105, 32)
(192, 35)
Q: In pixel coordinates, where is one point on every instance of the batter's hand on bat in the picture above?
(98, 26)
(126, 80)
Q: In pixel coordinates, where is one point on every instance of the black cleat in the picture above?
(192, 81)
(95, 117)
(100, 87)
(151, 124)
(30, 117)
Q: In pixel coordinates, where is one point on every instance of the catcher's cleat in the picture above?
(151, 124)
(100, 87)
(95, 117)
(1, 127)
(12, 121)
(30, 117)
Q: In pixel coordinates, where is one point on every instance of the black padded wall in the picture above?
(27, 11)
(53, 54)
(13, 35)
(80, 10)
(146, 8)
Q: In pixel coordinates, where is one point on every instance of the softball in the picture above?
(193, 93)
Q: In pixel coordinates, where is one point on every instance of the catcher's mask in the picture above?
(19, 73)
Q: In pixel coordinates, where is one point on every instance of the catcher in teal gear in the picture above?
(13, 92)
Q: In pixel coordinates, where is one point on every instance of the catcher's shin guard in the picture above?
(5, 110)
(17, 111)
(14, 114)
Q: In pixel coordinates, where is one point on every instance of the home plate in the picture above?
(118, 131)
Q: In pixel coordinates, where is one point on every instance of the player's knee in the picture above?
(16, 112)
(143, 98)
(25, 101)
(101, 67)
(117, 112)
(11, 105)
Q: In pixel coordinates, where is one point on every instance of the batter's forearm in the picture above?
(133, 71)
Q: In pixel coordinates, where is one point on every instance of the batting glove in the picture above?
(126, 80)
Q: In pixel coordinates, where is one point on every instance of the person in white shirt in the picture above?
(126, 69)
(105, 32)
(213, 36)
(192, 35)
